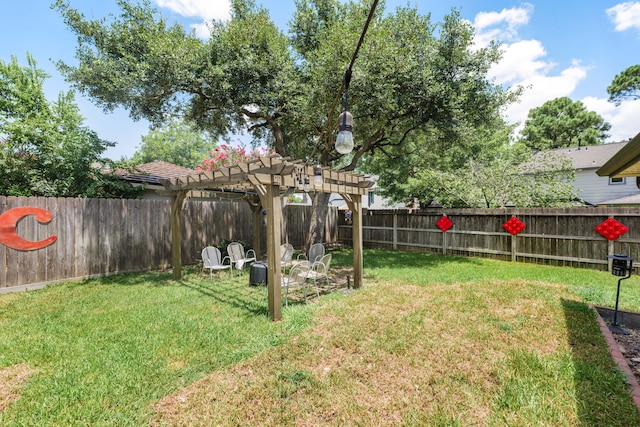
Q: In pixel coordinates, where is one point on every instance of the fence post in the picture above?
(395, 231)
(610, 251)
(444, 243)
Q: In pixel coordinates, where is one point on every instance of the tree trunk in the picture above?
(318, 220)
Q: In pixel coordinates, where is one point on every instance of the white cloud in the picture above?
(625, 16)
(206, 10)
(501, 25)
(202, 30)
(540, 88)
(523, 62)
(623, 119)
(520, 61)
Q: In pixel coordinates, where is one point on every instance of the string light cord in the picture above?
(347, 77)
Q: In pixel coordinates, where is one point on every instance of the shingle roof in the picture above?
(628, 200)
(154, 172)
(593, 156)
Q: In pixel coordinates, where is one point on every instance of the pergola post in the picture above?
(178, 199)
(274, 237)
(355, 205)
(256, 211)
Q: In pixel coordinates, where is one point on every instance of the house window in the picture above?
(615, 181)
(370, 198)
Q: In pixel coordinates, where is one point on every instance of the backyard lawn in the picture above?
(429, 340)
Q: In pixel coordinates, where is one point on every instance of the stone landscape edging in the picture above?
(620, 360)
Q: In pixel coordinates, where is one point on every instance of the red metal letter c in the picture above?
(9, 234)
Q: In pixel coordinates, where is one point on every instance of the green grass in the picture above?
(595, 287)
(471, 340)
(104, 349)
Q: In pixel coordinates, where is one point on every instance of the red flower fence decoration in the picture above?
(444, 223)
(514, 226)
(611, 229)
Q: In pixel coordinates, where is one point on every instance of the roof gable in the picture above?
(593, 156)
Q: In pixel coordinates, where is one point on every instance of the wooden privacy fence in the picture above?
(98, 237)
(105, 236)
(565, 237)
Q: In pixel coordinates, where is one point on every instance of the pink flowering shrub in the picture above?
(226, 155)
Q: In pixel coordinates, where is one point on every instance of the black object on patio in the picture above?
(258, 273)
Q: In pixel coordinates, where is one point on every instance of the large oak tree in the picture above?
(411, 76)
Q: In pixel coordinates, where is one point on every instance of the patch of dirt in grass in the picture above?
(12, 378)
(390, 354)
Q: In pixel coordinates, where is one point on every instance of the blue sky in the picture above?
(554, 48)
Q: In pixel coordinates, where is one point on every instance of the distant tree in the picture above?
(625, 86)
(176, 143)
(44, 148)
(485, 171)
(562, 122)
(506, 180)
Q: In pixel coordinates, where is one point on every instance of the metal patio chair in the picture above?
(297, 278)
(238, 256)
(212, 259)
(320, 271)
(286, 255)
(316, 252)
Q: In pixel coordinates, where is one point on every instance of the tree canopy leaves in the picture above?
(485, 171)
(410, 75)
(44, 148)
(176, 143)
(562, 122)
(625, 86)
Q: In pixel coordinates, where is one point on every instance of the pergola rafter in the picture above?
(265, 182)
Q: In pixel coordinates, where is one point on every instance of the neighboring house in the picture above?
(371, 201)
(600, 190)
(150, 175)
(624, 165)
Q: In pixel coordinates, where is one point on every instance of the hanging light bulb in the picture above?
(299, 182)
(306, 183)
(317, 176)
(344, 141)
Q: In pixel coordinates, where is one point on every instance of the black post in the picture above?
(621, 265)
(615, 312)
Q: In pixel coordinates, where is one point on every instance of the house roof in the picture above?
(625, 162)
(589, 157)
(154, 172)
(622, 201)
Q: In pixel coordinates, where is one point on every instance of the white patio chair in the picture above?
(212, 259)
(238, 256)
(320, 271)
(286, 255)
(316, 252)
(297, 278)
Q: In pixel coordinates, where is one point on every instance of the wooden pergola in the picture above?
(269, 179)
